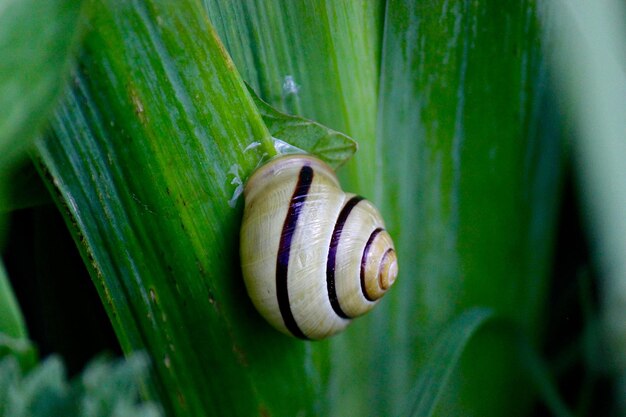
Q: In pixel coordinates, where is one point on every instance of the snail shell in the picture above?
(312, 256)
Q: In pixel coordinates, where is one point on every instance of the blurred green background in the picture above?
(490, 134)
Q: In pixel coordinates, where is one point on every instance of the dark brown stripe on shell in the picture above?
(364, 262)
(382, 262)
(282, 260)
(332, 255)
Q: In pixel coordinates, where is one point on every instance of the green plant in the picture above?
(460, 142)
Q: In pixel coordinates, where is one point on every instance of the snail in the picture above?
(313, 257)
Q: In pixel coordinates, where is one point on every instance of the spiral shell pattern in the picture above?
(312, 256)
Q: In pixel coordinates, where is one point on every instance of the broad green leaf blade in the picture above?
(466, 169)
(37, 42)
(331, 146)
(145, 160)
(443, 358)
(470, 158)
(318, 59)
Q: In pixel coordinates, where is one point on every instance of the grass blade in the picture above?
(11, 319)
(443, 359)
(540, 375)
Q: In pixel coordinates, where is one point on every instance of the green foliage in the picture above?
(319, 59)
(106, 388)
(460, 147)
(331, 146)
(589, 41)
(145, 161)
(21, 349)
(459, 143)
(442, 360)
(147, 154)
(11, 320)
(37, 42)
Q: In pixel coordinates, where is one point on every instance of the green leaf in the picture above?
(458, 145)
(14, 340)
(443, 358)
(37, 41)
(20, 348)
(330, 146)
(318, 59)
(540, 375)
(470, 163)
(11, 319)
(146, 159)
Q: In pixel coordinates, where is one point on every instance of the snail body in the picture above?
(313, 257)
